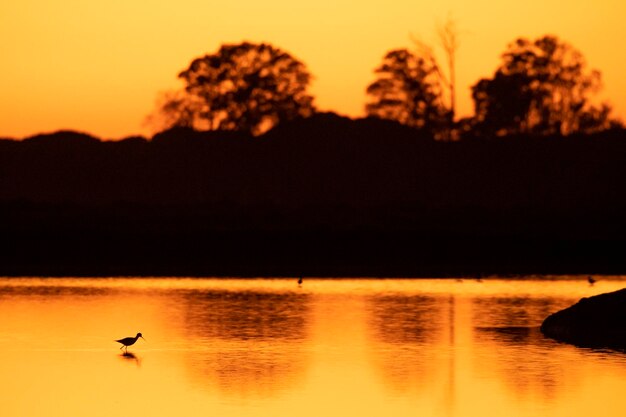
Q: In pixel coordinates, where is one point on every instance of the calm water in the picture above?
(271, 348)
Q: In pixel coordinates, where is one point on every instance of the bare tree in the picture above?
(449, 40)
(448, 36)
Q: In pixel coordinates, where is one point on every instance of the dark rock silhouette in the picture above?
(595, 322)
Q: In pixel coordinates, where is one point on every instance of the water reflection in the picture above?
(39, 288)
(506, 333)
(510, 335)
(515, 311)
(407, 333)
(246, 315)
(270, 348)
(249, 342)
(400, 319)
(131, 357)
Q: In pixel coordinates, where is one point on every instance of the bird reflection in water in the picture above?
(131, 357)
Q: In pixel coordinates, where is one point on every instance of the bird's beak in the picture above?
(143, 338)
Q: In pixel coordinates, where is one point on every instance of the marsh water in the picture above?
(271, 347)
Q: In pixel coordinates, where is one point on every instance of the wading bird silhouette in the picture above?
(127, 341)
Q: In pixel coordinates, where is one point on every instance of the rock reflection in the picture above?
(511, 325)
(510, 336)
(249, 342)
(407, 332)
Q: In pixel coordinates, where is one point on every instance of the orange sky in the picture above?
(97, 67)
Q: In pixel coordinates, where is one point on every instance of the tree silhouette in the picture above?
(542, 87)
(408, 90)
(245, 87)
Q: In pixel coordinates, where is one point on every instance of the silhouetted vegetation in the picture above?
(319, 194)
(246, 87)
(542, 87)
(408, 90)
(316, 196)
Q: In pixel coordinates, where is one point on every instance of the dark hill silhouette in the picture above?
(63, 138)
(323, 195)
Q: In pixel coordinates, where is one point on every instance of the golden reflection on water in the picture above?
(261, 332)
(273, 348)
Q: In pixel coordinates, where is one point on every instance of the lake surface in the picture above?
(272, 348)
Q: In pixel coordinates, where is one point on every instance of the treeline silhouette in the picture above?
(541, 88)
(325, 195)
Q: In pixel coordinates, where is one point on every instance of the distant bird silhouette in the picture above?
(128, 341)
(300, 280)
(590, 280)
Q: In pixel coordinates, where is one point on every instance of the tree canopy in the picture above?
(246, 87)
(541, 87)
(408, 90)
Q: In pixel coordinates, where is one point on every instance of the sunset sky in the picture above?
(98, 67)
